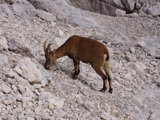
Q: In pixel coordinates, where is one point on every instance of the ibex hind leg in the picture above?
(99, 71)
(106, 69)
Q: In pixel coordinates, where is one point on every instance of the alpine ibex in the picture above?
(82, 49)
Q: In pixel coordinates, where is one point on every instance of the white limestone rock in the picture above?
(51, 99)
(133, 50)
(19, 97)
(120, 12)
(3, 59)
(141, 44)
(3, 43)
(31, 72)
(6, 89)
(155, 10)
(139, 67)
(45, 15)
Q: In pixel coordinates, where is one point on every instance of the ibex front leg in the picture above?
(76, 67)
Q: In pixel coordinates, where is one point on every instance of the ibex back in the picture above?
(82, 49)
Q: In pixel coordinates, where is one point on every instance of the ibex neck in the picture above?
(60, 52)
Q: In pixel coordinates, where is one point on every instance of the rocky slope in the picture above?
(28, 91)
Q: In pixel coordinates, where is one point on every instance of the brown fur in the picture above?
(86, 50)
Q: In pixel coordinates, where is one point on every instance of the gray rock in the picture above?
(56, 101)
(19, 97)
(31, 72)
(106, 7)
(155, 10)
(3, 43)
(45, 15)
(5, 88)
(18, 70)
(106, 116)
(141, 44)
(152, 45)
(18, 9)
(133, 50)
(3, 59)
(129, 4)
(61, 33)
(130, 57)
(139, 67)
(133, 15)
(5, 10)
(21, 89)
(120, 13)
(52, 100)
(138, 6)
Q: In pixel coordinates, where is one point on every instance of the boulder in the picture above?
(129, 5)
(155, 10)
(30, 71)
(106, 7)
(18, 9)
(120, 12)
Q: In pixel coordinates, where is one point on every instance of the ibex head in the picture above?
(49, 55)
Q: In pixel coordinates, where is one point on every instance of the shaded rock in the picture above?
(106, 7)
(10, 74)
(129, 4)
(138, 6)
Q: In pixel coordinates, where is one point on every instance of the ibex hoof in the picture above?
(102, 90)
(110, 90)
(74, 77)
